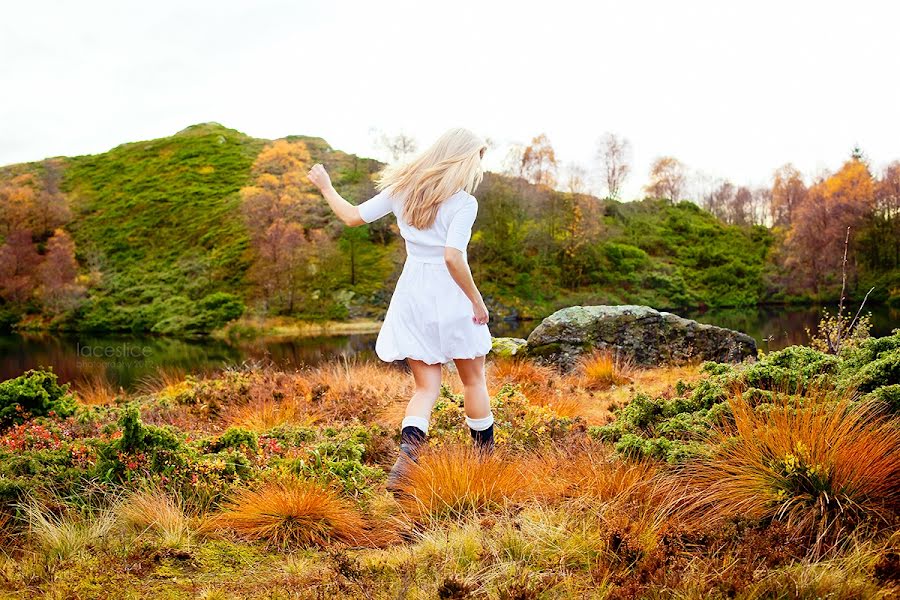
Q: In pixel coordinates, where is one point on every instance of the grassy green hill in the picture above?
(162, 241)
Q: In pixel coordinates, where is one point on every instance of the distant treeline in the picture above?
(183, 234)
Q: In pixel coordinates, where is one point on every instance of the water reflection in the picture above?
(126, 360)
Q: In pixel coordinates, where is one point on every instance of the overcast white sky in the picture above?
(733, 89)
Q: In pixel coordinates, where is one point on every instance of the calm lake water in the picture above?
(126, 360)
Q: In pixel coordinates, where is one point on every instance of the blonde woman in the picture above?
(436, 313)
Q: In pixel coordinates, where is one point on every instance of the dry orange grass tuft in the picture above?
(824, 467)
(526, 373)
(540, 384)
(356, 389)
(589, 470)
(169, 378)
(158, 511)
(602, 369)
(274, 398)
(94, 390)
(296, 512)
(262, 415)
(455, 480)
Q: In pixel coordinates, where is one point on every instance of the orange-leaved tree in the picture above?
(281, 215)
(668, 178)
(815, 242)
(58, 286)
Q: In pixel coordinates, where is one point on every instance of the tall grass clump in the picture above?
(156, 512)
(602, 369)
(825, 466)
(61, 535)
(293, 512)
(456, 480)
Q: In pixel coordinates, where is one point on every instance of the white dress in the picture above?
(429, 317)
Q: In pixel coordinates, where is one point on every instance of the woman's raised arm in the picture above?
(346, 212)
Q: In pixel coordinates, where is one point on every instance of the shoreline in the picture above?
(286, 328)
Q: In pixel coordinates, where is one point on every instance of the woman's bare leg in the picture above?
(428, 387)
(471, 372)
(479, 417)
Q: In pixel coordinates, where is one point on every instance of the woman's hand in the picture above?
(319, 177)
(480, 316)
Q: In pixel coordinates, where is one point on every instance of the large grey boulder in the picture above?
(648, 336)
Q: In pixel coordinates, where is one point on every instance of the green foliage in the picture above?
(341, 460)
(34, 393)
(675, 429)
(141, 446)
(518, 423)
(234, 438)
(162, 219)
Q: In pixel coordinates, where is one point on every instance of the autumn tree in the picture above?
(740, 212)
(57, 274)
(576, 179)
(18, 260)
(279, 189)
(280, 210)
(668, 177)
(276, 271)
(718, 200)
(33, 201)
(578, 236)
(398, 146)
(17, 196)
(815, 241)
(614, 154)
(880, 237)
(788, 192)
(538, 162)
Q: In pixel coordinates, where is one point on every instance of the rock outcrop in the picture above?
(648, 336)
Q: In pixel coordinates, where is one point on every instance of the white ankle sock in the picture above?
(415, 421)
(480, 424)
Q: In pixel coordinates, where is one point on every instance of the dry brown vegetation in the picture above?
(802, 496)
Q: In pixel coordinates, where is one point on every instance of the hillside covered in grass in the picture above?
(183, 234)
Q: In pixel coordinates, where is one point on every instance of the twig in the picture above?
(860, 308)
(840, 313)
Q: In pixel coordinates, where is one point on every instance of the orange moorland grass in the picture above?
(824, 465)
(274, 398)
(290, 511)
(526, 373)
(96, 390)
(358, 389)
(165, 378)
(542, 385)
(457, 479)
(602, 369)
(158, 511)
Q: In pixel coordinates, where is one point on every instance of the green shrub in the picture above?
(142, 447)
(881, 372)
(217, 309)
(234, 438)
(340, 460)
(889, 395)
(34, 393)
(640, 427)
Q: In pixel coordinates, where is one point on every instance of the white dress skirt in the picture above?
(430, 318)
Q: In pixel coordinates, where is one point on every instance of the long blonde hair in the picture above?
(452, 163)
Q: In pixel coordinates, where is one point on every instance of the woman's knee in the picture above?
(428, 392)
(471, 372)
